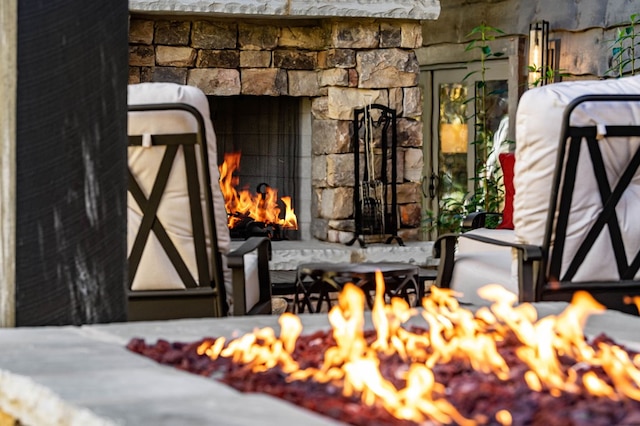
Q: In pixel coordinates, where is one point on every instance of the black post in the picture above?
(71, 162)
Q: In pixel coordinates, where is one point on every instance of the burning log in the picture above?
(498, 366)
(260, 210)
(246, 227)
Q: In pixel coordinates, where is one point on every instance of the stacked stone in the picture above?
(340, 64)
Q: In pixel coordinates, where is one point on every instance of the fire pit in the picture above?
(67, 374)
(498, 365)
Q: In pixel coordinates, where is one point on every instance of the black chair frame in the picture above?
(539, 276)
(207, 295)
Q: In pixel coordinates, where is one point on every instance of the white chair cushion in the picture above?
(155, 270)
(252, 280)
(478, 264)
(538, 127)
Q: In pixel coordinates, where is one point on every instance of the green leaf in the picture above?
(469, 75)
(498, 54)
(470, 46)
(486, 50)
(475, 30)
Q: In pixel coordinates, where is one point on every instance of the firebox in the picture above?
(260, 136)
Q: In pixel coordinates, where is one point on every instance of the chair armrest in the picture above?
(530, 258)
(236, 261)
(251, 244)
(477, 220)
(530, 252)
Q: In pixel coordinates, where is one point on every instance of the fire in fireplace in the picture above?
(261, 213)
(499, 365)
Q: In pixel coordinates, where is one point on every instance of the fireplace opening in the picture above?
(264, 132)
(260, 213)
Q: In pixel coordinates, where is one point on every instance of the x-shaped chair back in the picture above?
(191, 146)
(577, 144)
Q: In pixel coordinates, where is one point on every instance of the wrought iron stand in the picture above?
(375, 197)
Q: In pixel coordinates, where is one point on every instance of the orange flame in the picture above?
(260, 207)
(454, 333)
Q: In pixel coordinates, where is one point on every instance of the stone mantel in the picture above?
(391, 9)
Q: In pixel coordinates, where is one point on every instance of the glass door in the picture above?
(467, 128)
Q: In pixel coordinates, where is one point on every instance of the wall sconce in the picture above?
(538, 53)
(454, 138)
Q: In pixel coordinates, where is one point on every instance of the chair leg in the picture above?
(445, 249)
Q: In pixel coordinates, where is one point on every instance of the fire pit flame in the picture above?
(354, 365)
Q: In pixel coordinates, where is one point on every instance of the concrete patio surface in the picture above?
(85, 376)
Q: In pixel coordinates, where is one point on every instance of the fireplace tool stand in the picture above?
(375, 197)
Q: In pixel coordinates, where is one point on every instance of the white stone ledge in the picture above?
(287, 255)
(392, 9)
(33, 404)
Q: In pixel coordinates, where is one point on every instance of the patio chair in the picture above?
(178, 239)
(576, 203)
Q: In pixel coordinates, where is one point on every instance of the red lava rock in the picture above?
(475, 395)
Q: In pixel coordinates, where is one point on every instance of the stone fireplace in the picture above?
(332, 56)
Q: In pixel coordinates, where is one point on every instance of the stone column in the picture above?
(64, 187)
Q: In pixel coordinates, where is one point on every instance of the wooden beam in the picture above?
(8, 77)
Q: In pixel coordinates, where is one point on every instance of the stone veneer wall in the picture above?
(334, 62)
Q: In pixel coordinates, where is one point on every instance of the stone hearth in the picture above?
(334, 55)
(287, 255)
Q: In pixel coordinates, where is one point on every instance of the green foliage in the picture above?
(485, 196)
(549, 75)
(452, 213)
(624, 48)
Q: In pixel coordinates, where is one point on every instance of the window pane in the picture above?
(453, 142)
